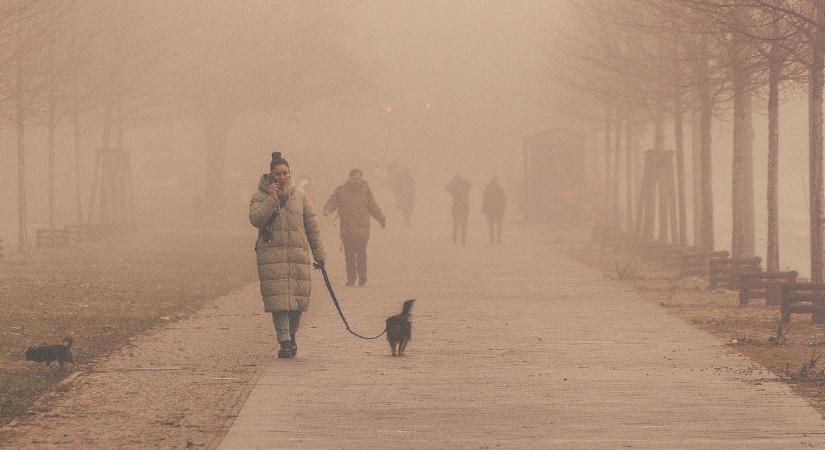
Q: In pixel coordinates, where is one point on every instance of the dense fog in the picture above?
(440, 87)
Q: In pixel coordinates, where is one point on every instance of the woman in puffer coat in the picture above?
(287, 233)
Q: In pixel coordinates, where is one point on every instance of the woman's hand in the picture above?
(273, 190)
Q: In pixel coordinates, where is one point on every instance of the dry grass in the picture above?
(752, 330)
(104, 294)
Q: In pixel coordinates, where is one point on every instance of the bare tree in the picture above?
(271, 64)
(27, 28)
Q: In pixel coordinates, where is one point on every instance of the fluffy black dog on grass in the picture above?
(48, 353)
(399, 329)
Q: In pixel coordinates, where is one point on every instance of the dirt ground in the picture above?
(177, 386)
(750, 330)
(103, 295)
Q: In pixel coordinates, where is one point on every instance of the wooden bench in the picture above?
(803, 298)
(83, 233)
(767, 285)
(724, 272)
(697, 263)
(52, 237)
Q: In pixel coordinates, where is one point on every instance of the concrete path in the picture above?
(514, 347)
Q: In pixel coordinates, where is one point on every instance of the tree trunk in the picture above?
(743, 239)
(617, 164)
(629, 151)
(696, 176)
(77, 188)
(52, 128)
(706, 180)
(645, 210)
(678, 134)
(638, 154)
(659, 146)
(772, 254)
(22, 206)
(815, 78)
(119, 174)
(102, 169)
(608, 138)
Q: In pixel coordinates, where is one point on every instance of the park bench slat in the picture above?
(725, 271)
(803, 298)
(697, 263)
(767, 285)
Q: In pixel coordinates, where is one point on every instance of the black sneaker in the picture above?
(286, 350)
(293, 345)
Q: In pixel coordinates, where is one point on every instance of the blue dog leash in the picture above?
(338, 307)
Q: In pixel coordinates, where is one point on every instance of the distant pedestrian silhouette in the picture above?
(459, 188)
(493, 205)
(355, 204)
(404, 186)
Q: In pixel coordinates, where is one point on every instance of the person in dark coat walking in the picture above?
(404, 187)
(288, 234)
(459, 188)
(355, 204)
(493, 205)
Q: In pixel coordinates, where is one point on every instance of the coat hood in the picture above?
(356, 185)
(283, 194)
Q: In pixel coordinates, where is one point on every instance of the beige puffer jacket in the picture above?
(287, 232)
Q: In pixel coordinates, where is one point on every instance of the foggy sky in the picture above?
(480, 65)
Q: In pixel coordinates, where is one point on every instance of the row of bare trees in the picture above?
(689, 62)
(101, 66)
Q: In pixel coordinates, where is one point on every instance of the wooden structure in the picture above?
(83, 233)
(697, 263)
(112, 183)
(657, 197)
(803, 298)
(767, 285)
(724, 272)
(72, 235)
(52, 237)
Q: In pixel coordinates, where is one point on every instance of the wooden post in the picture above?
(643, 209)
(93, 193)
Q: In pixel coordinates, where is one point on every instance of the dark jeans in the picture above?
(460, 225)
(495, 228)
(355, 251)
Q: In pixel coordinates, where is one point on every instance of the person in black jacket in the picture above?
(493, 205)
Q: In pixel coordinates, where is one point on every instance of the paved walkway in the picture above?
(514, 347)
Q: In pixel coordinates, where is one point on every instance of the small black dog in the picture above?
(48, 353)
(399, 329)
